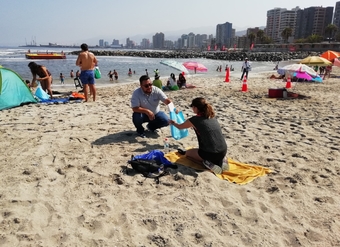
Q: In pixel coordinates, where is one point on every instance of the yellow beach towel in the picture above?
(238, 172)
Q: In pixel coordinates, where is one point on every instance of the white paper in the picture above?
(171, 107)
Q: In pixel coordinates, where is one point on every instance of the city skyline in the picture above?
(62, 22)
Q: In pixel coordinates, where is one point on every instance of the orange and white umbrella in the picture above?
(330, 55)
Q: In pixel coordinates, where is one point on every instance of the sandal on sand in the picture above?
(212, 167)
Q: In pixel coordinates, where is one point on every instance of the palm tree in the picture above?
(286, 33)
(251, 37)
(260, 35)
(330, 30)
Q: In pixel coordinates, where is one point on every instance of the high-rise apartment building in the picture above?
(224, 34)
(273, 23)
(158, 41)
(313, 21)
(336, 19)
(101, 42)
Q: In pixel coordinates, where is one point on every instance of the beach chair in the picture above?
(77, 83)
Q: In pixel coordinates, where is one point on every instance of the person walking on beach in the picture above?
(245, 68)
(45, 77)
(145, 106)
(87, 61)
(146, 72)
(71, 73)
(212, 147)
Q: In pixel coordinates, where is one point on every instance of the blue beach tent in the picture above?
(13, 90)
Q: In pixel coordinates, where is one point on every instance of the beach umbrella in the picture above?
(292, 68)
(330, 55)
(316, 61)
(176, 65)
(336, 62)
(191, 65)
(303, 75)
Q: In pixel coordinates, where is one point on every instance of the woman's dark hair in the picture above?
(172, 75)
(203, 107)
(34, 67)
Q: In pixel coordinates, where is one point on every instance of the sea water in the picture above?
(14, 58)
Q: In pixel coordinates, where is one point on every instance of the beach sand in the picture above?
(63, 179)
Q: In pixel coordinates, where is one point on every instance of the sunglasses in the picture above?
(147, 85)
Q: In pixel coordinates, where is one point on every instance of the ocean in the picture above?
(14, 58)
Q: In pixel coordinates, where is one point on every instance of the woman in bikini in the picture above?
(45, 77)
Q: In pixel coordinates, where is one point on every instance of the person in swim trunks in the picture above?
(87, 61)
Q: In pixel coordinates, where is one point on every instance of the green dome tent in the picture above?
(13, 90)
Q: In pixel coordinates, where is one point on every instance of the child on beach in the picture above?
(61, 76)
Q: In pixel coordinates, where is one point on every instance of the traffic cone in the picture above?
(244, 85)
(227, 75)
(288, 84)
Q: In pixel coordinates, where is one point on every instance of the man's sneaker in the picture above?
(153, 131)
(212, 167)
(142, 135)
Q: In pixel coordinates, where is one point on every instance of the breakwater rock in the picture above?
(228, 56)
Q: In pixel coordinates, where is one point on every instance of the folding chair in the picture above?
(77, 83)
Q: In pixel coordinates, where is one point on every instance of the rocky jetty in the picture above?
(229, 56)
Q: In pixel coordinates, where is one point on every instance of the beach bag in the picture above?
(178, 118)
(152, 164)
(97, 73)
(40, 93)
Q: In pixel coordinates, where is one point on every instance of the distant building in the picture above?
(169, 44)
(101, 42)
(224, 35)
(129, 44)
(191, 40)
(313, 21)
(145, 44)
(336, 19)
(273, 23)
(184, 41)
(158, 41)
(115, 42)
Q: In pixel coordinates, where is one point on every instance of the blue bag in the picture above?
(41, 94)
(176, 133)
(154, 155)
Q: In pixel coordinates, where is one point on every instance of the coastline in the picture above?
(62, 179)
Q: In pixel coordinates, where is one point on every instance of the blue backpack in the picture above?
(152, 164)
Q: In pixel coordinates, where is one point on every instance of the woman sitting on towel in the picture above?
(212, 147)
(45, 77)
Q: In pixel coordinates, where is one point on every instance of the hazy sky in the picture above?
(71, 22)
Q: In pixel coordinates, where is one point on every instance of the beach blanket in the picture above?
(238, 172)
(59, 101)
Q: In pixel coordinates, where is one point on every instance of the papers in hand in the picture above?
(171, 107)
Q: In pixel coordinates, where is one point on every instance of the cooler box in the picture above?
(275, 92)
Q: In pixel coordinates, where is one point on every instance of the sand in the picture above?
(63, 179)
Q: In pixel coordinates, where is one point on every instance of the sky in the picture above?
(72, 22)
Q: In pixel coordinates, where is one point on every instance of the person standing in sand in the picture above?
(212, 147)
(145, 106)
(245, 68)
(87, 61)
